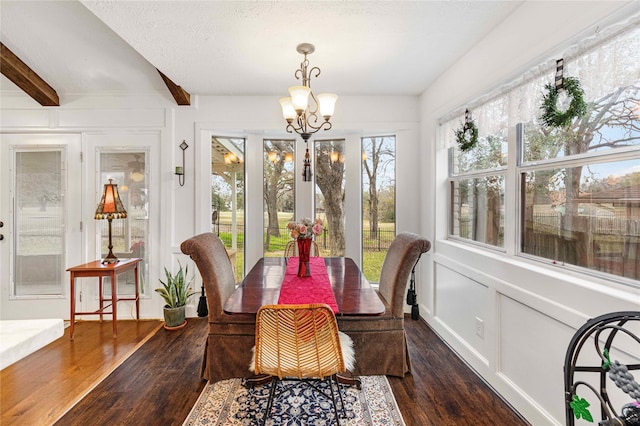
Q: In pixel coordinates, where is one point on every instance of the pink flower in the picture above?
(317, 228)
(305, 228)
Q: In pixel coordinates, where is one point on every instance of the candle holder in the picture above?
(180, 169)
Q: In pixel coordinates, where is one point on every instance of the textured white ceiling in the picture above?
(244, 47)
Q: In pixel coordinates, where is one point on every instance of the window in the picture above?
(227, 197)
(579, 186)
(330, 190)
(39, 223)
(130, 235)
(477, 184)
(580, 201)
(279, 194)
(378, 202)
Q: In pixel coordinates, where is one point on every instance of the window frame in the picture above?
(475, 174)
(522, 167)
(523, 100)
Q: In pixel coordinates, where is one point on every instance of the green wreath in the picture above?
(467, 136)
(551, 117)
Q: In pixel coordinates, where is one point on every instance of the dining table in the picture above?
(337, 281)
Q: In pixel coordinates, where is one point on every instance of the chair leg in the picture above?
(272, 392)
(333, 398)
(344, 410)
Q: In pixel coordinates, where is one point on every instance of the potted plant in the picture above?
(175, 292)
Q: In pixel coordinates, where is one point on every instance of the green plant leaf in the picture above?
(606, 364)
(176, 289)
(579, 407)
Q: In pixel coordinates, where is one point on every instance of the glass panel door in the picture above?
(279, 195)
(129, 236)
(227, 197)
(40, 210)
(329, 196)
(378, 202)
(39, 223)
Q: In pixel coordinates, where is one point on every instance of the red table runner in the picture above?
(313, 289)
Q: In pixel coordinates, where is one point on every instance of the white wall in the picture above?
(258, 117)
(183, 211)
(530, 310)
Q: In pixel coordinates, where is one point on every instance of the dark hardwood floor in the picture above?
(160, 382)
(442, 390)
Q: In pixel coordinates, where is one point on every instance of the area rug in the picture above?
(229, 403)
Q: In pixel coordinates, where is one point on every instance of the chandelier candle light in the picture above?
(301, 114)
(110, 208)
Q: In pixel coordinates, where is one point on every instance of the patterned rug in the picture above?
(229, 403)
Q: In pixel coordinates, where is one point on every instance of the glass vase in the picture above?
(304, 250)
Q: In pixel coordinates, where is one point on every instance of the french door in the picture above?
(126, 159)
(41, 214)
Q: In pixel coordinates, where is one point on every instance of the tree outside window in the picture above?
(378, 202)
(279, 194)
(330, 193)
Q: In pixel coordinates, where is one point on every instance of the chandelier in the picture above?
(304, 112)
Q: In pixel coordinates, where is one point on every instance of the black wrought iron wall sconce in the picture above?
(180, 169)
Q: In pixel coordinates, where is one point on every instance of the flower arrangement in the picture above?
(305, 228)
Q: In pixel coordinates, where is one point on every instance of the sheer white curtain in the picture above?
(602, 63)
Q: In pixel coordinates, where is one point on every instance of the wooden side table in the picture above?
(100, 270)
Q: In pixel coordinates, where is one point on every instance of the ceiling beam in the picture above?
(26, 79)
(181, 96)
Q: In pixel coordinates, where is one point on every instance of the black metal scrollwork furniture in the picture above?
(611, 337)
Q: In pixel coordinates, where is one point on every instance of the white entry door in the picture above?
(41, 213)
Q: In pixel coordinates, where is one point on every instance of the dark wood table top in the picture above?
(261, 286)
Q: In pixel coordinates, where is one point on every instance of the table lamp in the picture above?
(110, 208)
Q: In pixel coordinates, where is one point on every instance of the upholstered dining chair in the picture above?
(380, 341)
(291, 249)
(301, 342)
(227, 352)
